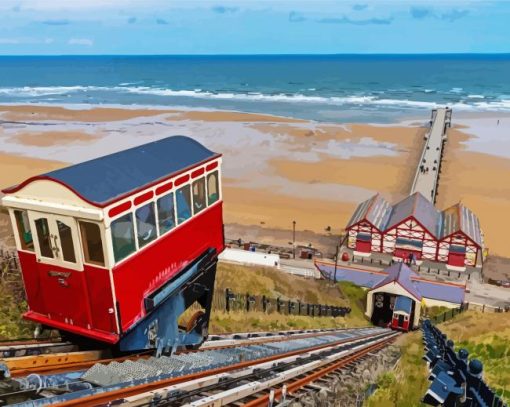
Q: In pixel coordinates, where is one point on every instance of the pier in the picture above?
(427, 172)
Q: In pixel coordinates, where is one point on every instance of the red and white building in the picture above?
(414, 229)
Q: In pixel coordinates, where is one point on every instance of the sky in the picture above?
(56, 27)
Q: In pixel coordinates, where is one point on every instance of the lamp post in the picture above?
(293, 239)
(336, 263)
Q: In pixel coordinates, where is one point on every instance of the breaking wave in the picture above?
(468, 102)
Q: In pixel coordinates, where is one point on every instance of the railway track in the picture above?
(61, 362)
(194, 377)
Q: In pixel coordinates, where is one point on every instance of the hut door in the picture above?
(457, 256)
(363, 242)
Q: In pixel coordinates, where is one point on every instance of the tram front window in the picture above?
(66, 241)
(24, 231)
(92, 243)
(43, 235)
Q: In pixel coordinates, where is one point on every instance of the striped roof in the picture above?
(383, 216)
(419, 207)
(376, 210)
(458, 218)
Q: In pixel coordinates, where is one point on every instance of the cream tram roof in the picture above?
(102, 181)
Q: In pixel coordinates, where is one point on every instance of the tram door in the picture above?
(59, 267)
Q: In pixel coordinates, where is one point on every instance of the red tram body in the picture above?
(117, 248)
(402, 314)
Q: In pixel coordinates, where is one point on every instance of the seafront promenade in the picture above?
(427, 172)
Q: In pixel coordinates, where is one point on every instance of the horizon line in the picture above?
(263, 54)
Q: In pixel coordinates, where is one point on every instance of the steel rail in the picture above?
(112, 395)
(263, 401)
(339, 358)
(31, 348)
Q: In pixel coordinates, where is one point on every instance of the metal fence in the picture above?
(455, 380)
(229, 301)
(449, 314)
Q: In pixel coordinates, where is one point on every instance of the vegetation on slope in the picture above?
(405, 386)
(274, 283)
(12, 306)
(486, 336)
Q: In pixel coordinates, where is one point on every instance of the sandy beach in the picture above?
(276, 169)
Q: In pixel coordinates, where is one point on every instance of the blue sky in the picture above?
(252, 27)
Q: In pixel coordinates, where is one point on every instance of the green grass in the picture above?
(12, 306)
(275, 283)
(486, 336)
(408, 383)
(357, 299)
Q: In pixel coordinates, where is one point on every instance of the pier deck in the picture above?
(427, 172)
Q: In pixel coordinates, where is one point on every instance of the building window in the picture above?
(145, 224)
(92, 243)
(43, 236)
(123, 237)
(166, 215)
(199, 195)
(212, 188)
(24, 231)
(183, 200)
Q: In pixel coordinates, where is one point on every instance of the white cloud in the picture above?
(81, 41)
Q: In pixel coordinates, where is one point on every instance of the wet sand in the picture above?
(479, 181)
(276, 169)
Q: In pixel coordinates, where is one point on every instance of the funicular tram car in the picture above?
(115, 249)
(402, 311)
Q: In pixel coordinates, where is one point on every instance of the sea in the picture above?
(327, 88)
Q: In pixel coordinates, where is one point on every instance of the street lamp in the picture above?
(293, 239)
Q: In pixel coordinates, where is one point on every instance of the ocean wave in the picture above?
(25, 91)
(471, 103)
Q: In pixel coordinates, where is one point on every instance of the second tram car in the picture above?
(116, 249)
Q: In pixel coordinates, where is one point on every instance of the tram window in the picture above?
(183, 200)
(145, 224)
(66, 241)
(166, 216)
(43, 236)
(92, 243)
(24, 231)
(198, 195)
(212, 188)
(123, 237)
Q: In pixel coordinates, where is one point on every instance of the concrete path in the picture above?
(427, 173)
